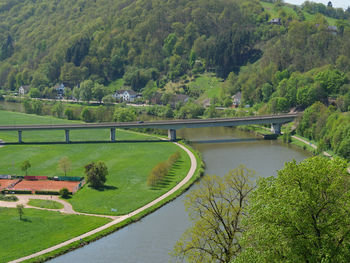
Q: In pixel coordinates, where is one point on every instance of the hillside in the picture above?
(47, 41)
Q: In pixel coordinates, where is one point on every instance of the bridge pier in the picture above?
(20, 137)
(276, 128)
(112, 134)
(172, 135)
(67, 136)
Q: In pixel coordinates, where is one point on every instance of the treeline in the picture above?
(161, 170)
(46, 42)
(327, 10)
(328, 127)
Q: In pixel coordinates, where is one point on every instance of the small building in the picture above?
(23, 90)
(236, 99)
(60, 89)
(275, 21)
(126, 95)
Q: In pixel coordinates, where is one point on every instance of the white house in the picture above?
(236, 99)
(23, 90)
(126, 95)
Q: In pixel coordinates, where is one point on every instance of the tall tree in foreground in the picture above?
(302, 215)
(216, 208)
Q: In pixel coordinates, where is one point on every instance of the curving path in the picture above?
(67, 207)
(120, 218)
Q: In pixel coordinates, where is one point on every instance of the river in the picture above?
(151, 239)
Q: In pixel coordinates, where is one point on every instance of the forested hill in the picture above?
(46, 41)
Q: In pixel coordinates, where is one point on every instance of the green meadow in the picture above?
(39, 230)
(129, 162)
(45, 204)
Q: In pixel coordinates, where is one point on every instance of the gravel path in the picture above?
(120, 218)
(67, 207)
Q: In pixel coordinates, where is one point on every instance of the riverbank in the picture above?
(296, 140)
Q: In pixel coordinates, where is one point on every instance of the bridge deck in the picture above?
(173, 124)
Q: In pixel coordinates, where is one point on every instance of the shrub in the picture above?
(8, 198)
(64, 193)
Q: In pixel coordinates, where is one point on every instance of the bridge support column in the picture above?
(20, 137)
(67, 136)
(172, 135)
(276, 128)
(112, 134)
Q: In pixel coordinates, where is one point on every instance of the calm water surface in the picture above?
(151, 239)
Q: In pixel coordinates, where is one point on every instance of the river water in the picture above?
(151, 239)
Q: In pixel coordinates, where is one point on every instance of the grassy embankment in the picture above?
(209, 85)
(24, 237)
(129, 163)
(45, 204)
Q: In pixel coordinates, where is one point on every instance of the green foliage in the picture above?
(87, 115)
(161, 170)
(58, 109)
(63, 46)
(124, 114)
(216, 209)
(96, 174)
(300, 215)
(25, 166)
(20, 211)
(189, 111)
(64, 193)
(69, 113)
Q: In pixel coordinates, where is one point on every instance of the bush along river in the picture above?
(151, 239)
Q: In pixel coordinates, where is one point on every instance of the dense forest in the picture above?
(47, 41)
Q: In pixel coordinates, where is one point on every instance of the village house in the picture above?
(23, 90)
(236, 99)
(126, 95)
(275, 21)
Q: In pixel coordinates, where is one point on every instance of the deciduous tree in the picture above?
(96, 174)
(216, 208)
(64, 165)
(302, 215)
(25, 166)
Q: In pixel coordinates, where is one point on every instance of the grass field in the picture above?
(210, 85)
(45, 204)
(39, 230)
(129, 163)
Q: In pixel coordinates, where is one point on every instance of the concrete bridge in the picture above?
(276, 122)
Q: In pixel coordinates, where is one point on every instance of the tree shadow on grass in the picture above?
(27, 220)
(105, 188)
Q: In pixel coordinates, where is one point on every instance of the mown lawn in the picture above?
(39, 230)
(45, 204)
(210, 85)
(129, 163)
